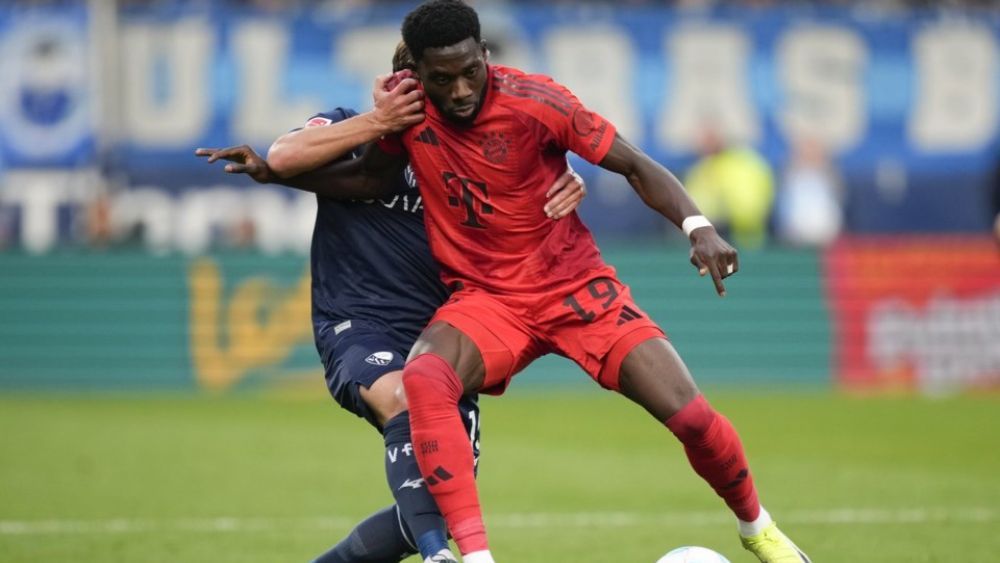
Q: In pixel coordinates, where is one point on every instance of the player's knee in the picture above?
(429, 377)
(382, 398)
(694, 420)
(392, 405)
(389, 409)
(401, 397)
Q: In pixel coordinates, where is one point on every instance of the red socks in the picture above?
(442, 447)
(715, 453)
(445, 455)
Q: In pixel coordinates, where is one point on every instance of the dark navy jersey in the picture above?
(370, 259)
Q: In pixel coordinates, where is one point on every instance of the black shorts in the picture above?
(357, 353)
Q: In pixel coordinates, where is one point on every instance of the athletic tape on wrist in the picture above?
(694, 222)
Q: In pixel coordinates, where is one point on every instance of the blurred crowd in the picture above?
(799, 201)
(693, 4)
(801, 204)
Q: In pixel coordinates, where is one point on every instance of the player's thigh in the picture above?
(596, 323)
(453, 346)
(483, 341)
(653, 375)
(356, 363)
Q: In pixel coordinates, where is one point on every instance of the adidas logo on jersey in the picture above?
(628, 314)
(428, 136)
(380, 358)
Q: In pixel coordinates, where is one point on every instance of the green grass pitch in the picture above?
(566, 476)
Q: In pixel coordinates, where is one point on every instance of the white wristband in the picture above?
(694, 222)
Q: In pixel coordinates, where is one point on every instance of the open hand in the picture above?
(711, 254)
(565, 195)
(242, 160)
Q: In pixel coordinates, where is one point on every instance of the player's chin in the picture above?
(463, 114)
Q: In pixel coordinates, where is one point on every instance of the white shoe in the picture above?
(443, 556)
(772, 546)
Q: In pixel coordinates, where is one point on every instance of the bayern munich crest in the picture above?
(494, 146)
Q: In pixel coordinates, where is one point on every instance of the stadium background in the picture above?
(134, 277)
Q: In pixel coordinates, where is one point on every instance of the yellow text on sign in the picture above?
(259, 325)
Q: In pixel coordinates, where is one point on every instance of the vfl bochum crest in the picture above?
(380, 358)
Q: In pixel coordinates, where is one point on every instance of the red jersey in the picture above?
(483, 184)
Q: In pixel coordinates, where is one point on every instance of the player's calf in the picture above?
(442, 449)
(378, 538)
(416, 505)
(653, 375)
(715, 452)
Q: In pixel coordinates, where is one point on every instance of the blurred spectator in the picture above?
(98, 221)
(808, 210)
(996, 227)
(241, 234)
(696, 4)
(6, 227)
(734, 187)
(995, 187)
(881, 5)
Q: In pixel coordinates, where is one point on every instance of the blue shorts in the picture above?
(357, 353)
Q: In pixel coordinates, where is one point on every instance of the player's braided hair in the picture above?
(439, 23)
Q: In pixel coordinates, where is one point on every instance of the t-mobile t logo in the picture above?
(470, 194)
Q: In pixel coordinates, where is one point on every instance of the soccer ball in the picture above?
(692, 554)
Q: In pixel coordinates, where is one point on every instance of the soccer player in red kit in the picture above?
(492, 142)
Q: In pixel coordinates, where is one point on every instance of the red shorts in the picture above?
(593, 322)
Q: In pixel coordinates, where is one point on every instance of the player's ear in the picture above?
(486, 50)
(418, 67)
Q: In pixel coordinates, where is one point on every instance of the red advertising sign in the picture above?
(915, 313)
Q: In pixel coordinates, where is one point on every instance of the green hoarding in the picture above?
(132, 321)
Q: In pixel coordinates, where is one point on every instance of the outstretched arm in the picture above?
(313, 147)
(663, 192)
(312, 158)
(349, 179)
(368, 177)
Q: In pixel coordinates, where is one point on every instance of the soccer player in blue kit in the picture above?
(374, 288)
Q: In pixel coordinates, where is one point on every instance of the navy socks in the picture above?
(416, 505)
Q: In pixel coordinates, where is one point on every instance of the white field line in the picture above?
(536, 520)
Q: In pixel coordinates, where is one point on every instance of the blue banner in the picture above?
(906, 104)
(917, 93)
(46, 113)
